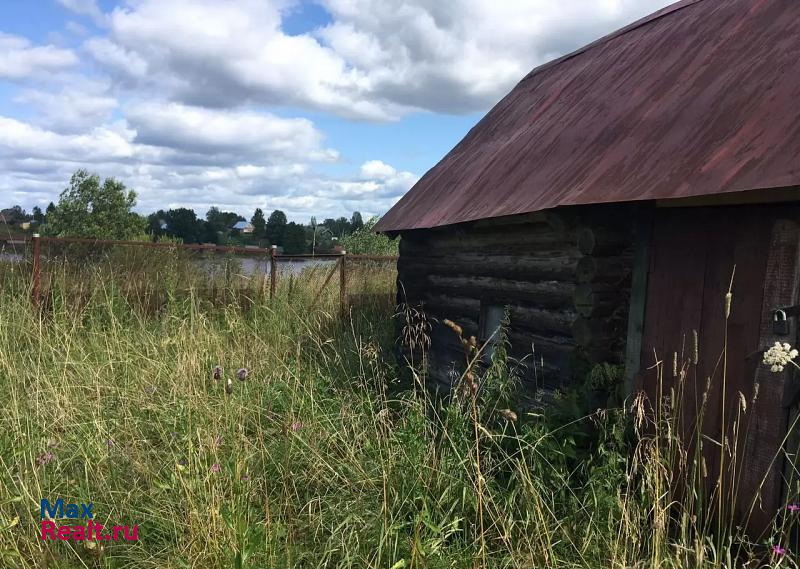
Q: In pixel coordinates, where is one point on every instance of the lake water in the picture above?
(252, 266)
(248, 265)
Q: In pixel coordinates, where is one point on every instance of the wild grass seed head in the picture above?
(509, 415)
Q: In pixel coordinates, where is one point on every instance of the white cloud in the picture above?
(229, 53)
(85, 8)
(20, 59)
(77, 106)
(117, 59)
(237, 133)
(376, 60)
(269, 165)
(76, 29)
(22, 140)
(377, 169)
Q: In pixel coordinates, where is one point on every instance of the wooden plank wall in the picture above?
(564, 276)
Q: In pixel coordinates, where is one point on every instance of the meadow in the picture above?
(237, 431)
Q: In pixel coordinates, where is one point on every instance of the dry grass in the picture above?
(321, 457)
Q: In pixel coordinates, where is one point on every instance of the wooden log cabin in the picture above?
(611, 201)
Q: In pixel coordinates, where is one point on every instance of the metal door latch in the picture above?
(780, 325)
(780, 319)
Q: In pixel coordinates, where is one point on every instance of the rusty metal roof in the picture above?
(700, 98)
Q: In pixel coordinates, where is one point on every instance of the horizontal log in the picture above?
(453, 307)
(597, 300)
(600, 241)
(542, 294)
(515, 247)
(558, 222)
(609, 270)
(596, 355)
(551, 321)
(461, 309)
(593, 332)
(458, 241)
(539, 265)
(549, 364)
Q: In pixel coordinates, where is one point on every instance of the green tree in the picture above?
(207, 232)
(338, 227)
(38, 215)
(89, 208)
(366, 242)
(294, 239)
(356, 221)
(259, 224)
(183, 224)
(222, 221)
(156, 223)
(276, 227)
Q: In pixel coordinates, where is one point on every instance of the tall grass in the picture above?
(322, 457)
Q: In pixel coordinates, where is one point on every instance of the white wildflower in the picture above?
(779, 356)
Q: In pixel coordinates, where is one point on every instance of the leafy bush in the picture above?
(365, 241)
(91, 209)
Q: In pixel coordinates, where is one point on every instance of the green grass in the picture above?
(321, 458)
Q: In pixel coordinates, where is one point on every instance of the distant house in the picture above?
(602, 206)
(243, 227)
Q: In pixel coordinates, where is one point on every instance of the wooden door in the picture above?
(698, 255)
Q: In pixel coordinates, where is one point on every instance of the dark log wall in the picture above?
(564, 277)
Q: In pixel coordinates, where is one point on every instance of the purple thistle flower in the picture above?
(183, 462)
(217, 373)
(793, 508)
(109, 443)
(215, 467)
(296, 426)
(241, 373)
(245, 478)
(778, 550)
(45, 458)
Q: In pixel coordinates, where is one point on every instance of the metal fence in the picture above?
(263, 274)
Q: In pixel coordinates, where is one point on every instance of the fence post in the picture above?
(273, 271)
(37, 269)
(343, 283)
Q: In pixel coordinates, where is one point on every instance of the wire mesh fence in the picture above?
(148, 275)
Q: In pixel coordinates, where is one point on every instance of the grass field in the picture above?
(324, 456)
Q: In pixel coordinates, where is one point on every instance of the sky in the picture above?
(316, 108)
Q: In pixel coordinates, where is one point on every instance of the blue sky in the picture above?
(317, 108)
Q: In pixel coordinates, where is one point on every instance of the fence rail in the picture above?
(341, 266)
